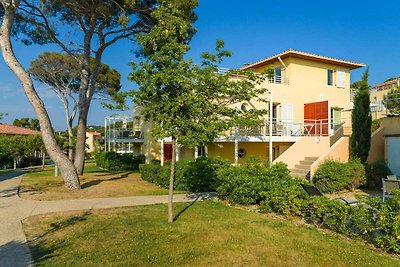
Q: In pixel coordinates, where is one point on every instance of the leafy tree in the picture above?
(392, 101)
(8, 13)
(62, 74)
(27, 123)
(360, 141)
(189, 103)
(35, 143)
(2, 115)
(100, 24)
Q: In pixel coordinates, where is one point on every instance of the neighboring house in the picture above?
(385, 144)
(311, 116)
(91, 138)
(378, 109)
(11, 130)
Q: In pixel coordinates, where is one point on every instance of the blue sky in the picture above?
(362, 31)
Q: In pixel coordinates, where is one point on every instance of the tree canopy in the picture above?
(81, 29)
(392, 101)
(27, 123)
(191, 104)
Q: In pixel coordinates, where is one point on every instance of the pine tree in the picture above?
(360, 141)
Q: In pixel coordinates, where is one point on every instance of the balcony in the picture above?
(274, 79)
(126, 135)
(289, 131)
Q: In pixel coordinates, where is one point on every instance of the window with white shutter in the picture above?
(340, 82)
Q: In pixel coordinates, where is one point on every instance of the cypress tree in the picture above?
(361, 120)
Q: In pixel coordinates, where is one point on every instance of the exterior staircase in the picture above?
(302, 169)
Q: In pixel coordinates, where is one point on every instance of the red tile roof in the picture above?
(305, 55)
(15, 130)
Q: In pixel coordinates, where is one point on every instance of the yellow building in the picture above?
(310, 102)
(378, 109)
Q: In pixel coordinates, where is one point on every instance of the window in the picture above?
(278, 75)
(330, 77)
(243, 107)
(241, 153)
(201, 151)
(340, 79)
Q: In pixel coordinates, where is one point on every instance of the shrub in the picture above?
(271, 187)
(190, 175)
(118, 162)
(334, 176)
(375, 172)
(331, 176)
(245, 184)
(285, 198)
(387, 223)
(330, 214)
(356, 173)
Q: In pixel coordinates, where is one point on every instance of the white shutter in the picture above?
(340, 78)
(287, 118)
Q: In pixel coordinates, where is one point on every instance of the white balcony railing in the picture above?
(126, 134)
(275, 79)
(288, 128)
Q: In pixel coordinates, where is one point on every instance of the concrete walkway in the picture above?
(14, 250)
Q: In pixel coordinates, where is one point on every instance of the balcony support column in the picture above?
(162, 152)
(270, 128)
(196, 152)
(236, 151)
(177, 152)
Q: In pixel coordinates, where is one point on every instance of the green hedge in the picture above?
(375, 172)
(118, 162)
(243, 184)
(333, 176)
(272, 188)
(190, 175)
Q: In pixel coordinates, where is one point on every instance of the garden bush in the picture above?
(244, 184)
(333, 176)
(190, 175)
(375, 172)
(375, 221)
(118, 162)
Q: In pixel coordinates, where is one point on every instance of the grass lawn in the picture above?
(41, 184)
(206, 234)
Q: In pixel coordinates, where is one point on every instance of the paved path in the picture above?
(14, 250)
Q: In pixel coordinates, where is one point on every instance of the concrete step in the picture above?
(302, 167)
(311, 158)
(306, 162)
(298, 173)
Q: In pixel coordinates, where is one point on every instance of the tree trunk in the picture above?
(43, 159)
(80, 145)
(70, 176)
(69, 120)
(171, 182)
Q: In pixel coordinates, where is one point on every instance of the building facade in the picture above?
(310, 110)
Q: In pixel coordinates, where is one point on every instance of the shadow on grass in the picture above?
(16, 253)
(42, 250)
(185, 208)
(96, 182)
(64, 224)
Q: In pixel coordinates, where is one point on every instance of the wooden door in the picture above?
(167, 152)
(316, 118)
